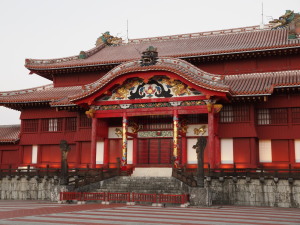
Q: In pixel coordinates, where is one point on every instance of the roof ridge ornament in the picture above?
(149, 57)
(289, 20)
(108, 39)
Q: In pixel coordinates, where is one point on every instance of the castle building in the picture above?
(238, 87)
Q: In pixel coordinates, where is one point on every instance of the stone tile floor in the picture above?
(47, 213)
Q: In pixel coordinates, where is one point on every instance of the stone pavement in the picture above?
(46, 213)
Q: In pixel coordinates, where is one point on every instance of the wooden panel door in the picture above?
(166, 151)
(143, 151)
(154, 151)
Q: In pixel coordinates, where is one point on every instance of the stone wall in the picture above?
(255, 192)
(30, 189)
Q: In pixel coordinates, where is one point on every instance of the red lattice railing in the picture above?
(176, 199)
(124, 197)
(120, 197)
(144, 197)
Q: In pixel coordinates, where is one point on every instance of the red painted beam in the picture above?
(151, 111)
(137, 101)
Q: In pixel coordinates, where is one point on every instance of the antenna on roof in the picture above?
(262, 15)
(127, 38)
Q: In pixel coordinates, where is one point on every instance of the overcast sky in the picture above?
(59, 28)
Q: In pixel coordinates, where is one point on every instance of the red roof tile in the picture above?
(46, 93)
(261, 83)
(219, 42)
(9, 133)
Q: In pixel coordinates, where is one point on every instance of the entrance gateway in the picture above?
(151, 116)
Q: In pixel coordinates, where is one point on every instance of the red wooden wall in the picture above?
(257, 65)
(9, 155)
(75, 79)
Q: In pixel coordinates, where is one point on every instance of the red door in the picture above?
(155, 151)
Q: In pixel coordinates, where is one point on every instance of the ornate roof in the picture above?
(239, 40)
(9, 133)
(234, 85)
(180, 67)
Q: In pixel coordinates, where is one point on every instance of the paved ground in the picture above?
(45, 213)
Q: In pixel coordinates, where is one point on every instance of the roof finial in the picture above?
(149, 57)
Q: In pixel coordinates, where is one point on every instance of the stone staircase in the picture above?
(159, 185)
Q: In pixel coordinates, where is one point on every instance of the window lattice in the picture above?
(85, 121)
(235, 113)
(71, 124)
(295, 115)
(52, 124)
(30, 125)
(272, 116)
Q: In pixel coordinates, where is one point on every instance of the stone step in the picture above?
(168, 185)
(177, 192)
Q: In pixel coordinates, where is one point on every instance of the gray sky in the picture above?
(60, 28)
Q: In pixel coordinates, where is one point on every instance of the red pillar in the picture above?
(106, 152)
(78, 155)
(124, 141)
(184, 149)
(175, 138)
(135, 151)
(217, 151)
(93, 143)
(211, 139)
(217, 144)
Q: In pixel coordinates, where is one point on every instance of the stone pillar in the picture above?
(124, 141)
(175, 138)
(93, 142)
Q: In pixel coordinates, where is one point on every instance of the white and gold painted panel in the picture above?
(197, 130)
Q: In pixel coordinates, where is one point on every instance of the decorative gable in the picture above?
(156, 87)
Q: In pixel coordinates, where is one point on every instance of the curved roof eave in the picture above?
(180, 67)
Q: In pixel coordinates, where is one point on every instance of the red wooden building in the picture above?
(239, 87)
